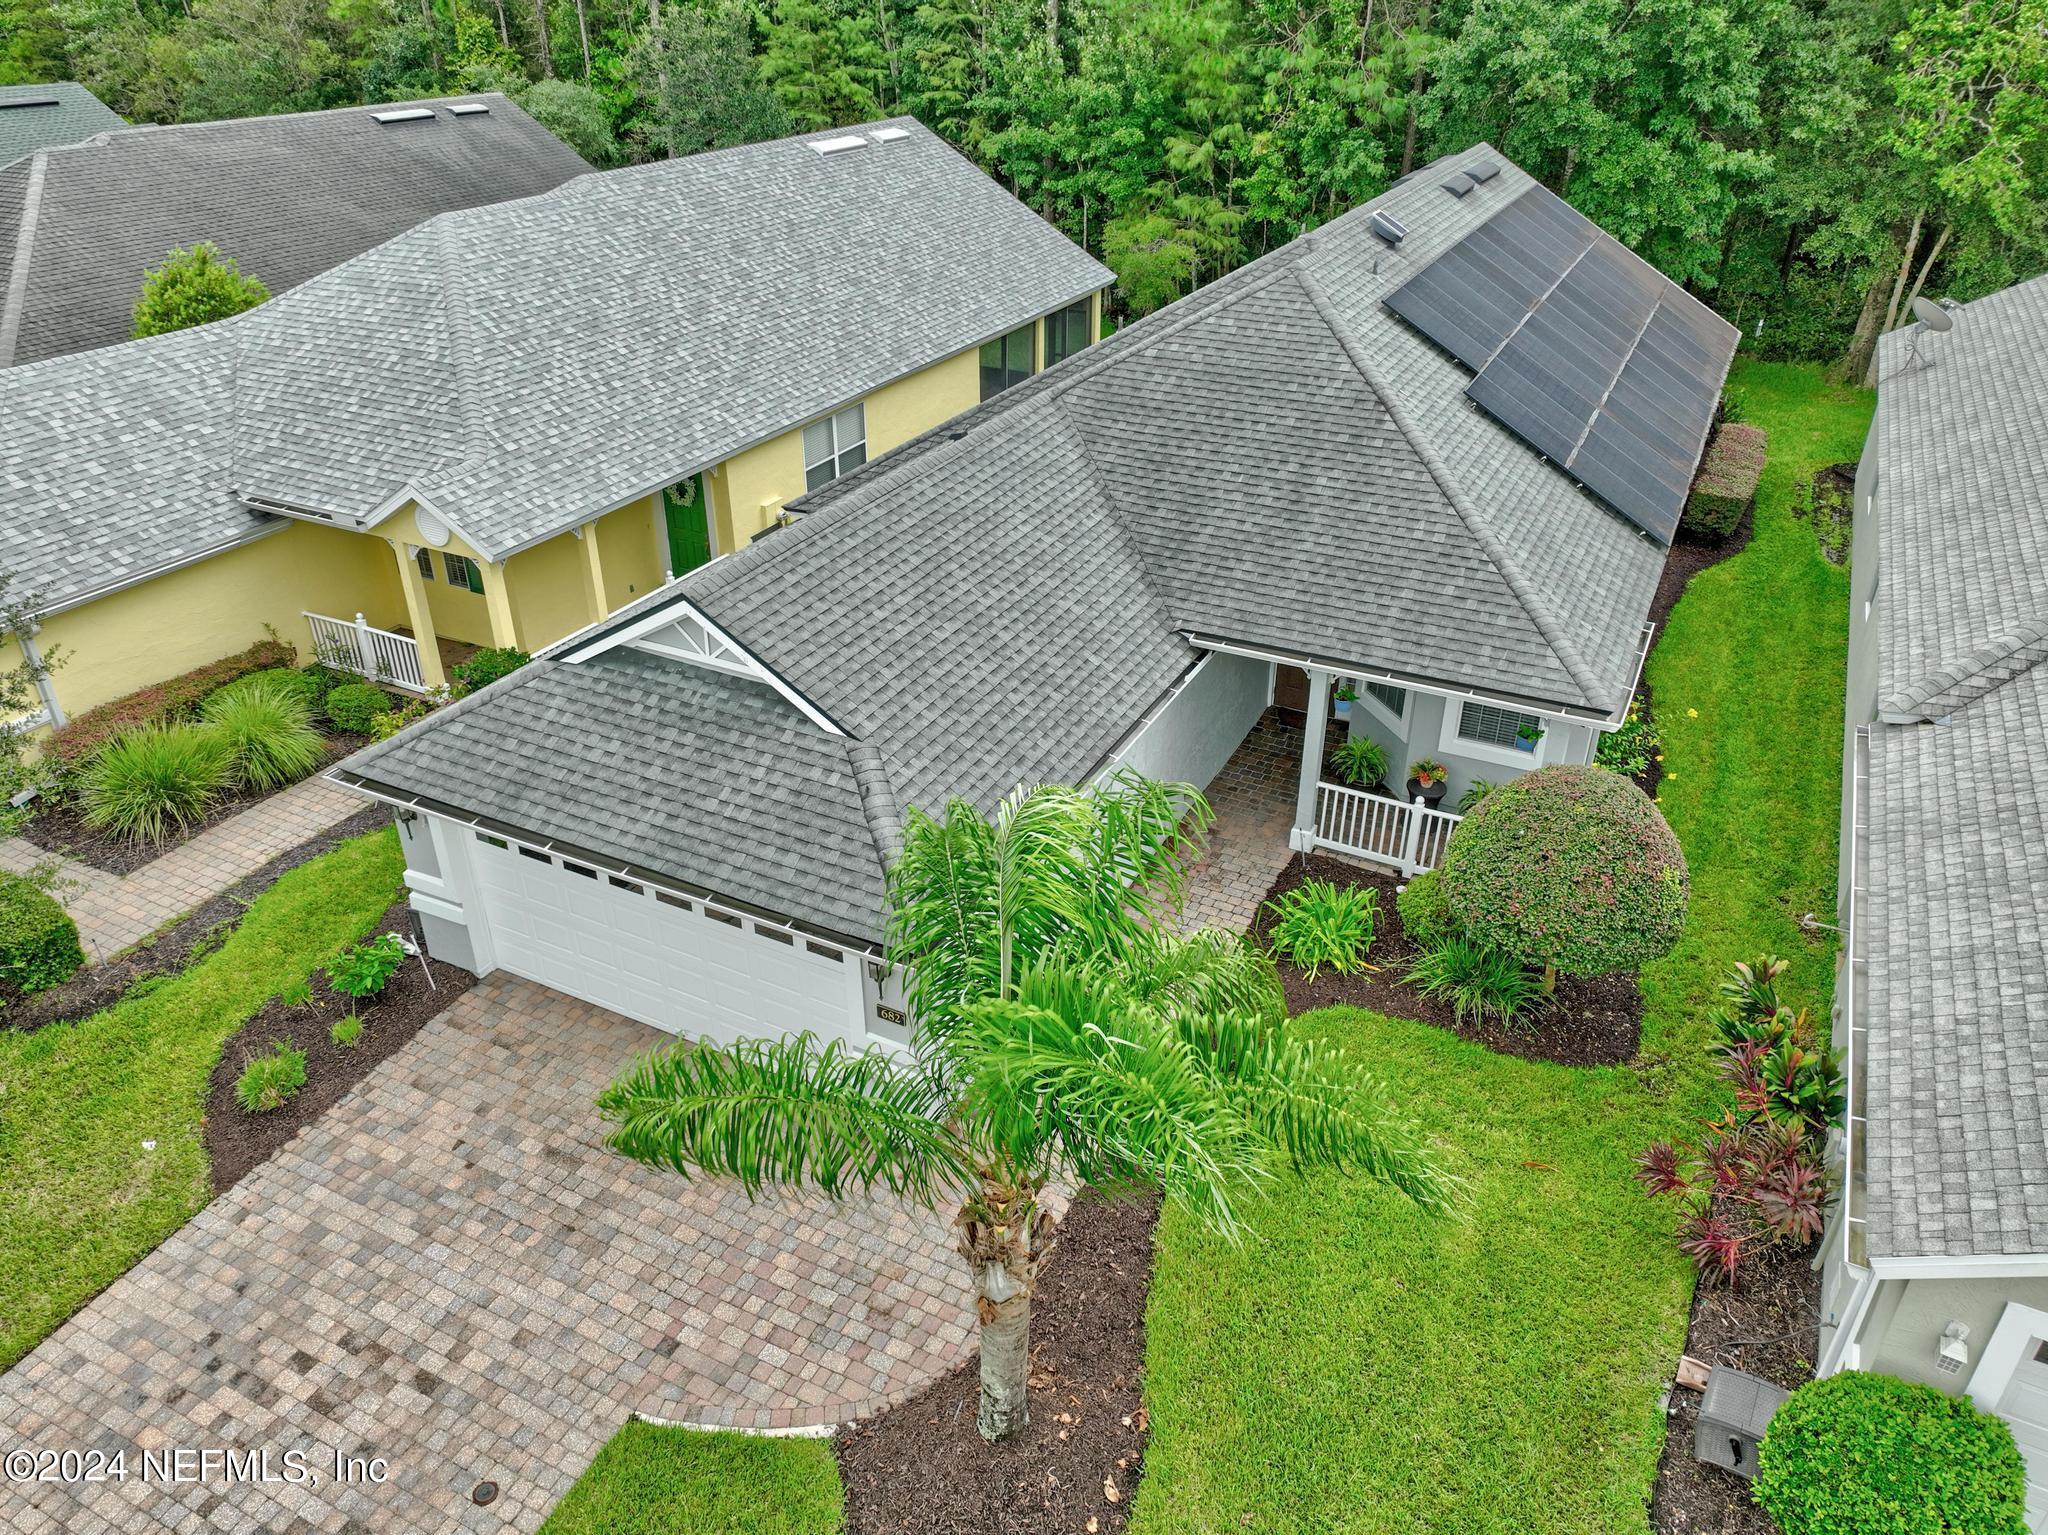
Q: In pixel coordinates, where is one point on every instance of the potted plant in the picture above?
(1527, 735)
(1360, 761)
(1345, 696)
(1428, 781)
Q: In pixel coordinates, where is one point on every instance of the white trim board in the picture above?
(2017, 1325)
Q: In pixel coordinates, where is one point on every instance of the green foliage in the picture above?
(38, 940)
(1359, 760)
(155, 779)
(1428, 771)
(266, 725)
(657, 1480)
(1568, 867)
(192, 287)
(271, 1080)
(1631, 749)
(304, 685)
(1773, 1054)
(1861, 1454)
(363, 970)
(352, 706)
(697, 84)
(1477, 981)
(823, 63)
(1475, 791)
(1425, 913)
(347, 1031)
(386, 725)
(485, 668)
(1319, 923)
(576, 115)
(1726, 486)
(297, 993)
(74, 744)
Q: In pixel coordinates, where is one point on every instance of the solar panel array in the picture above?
(1582, 349)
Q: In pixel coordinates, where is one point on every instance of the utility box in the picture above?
(1734, 1412)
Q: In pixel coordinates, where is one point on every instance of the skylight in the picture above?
(468, 109)
(406, 115)
(838, 146)
(32, 101)
(890, 135)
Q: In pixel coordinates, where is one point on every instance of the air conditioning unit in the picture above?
(1734, 1413)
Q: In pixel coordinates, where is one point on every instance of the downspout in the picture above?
(32, 655)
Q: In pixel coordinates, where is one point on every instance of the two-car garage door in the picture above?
(673, 962)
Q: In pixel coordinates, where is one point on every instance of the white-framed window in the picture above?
(462, 571)
(1392, 701)
(424, 558)
(1006, 361)
(1489, 725)
(835, 445)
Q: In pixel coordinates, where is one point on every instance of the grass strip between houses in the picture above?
(100, 1120)
(1357, 1367)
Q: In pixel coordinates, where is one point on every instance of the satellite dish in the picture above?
(1932, 315)
(432, 528)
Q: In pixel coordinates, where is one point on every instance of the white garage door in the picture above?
(663, 959)
(2025, 1407)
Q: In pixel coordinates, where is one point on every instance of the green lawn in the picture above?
(680, 1481)
(100, 1119)
(1356, 1367)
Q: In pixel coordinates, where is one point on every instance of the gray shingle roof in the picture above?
(27, 125)
(1955, 850)
(286, 197)
(1274, 461)
(531, 365)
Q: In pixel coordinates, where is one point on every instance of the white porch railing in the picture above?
(1411, 837)
(377, 654)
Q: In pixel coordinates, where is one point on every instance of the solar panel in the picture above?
(1581, 348)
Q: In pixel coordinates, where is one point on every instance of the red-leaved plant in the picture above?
(1747, 1181)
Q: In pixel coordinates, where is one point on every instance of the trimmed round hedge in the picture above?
(353, 705)
(1860, 1454)
(38, 940)
(1425, 911)
(1568, 866)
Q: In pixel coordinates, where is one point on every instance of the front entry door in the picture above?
(2011, 1379)
(689, 525)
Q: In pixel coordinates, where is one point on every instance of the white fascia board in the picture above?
(748, 664)
(1963, 1266)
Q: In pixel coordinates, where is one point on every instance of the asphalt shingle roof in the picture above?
(530, 365)
(1955, 855)
(1275, 461)
(27, 125)
(286, 197)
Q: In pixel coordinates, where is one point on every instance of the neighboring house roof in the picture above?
(1955, 843)
(1276, 462)
(36, 117)
(285, 197)
(529, 366)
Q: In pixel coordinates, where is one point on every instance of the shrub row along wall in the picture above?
(1726, 487)
(70, 746)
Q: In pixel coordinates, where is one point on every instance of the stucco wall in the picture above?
(212, 609)
(458, 613)
(1427, 728)
(1908, 1315)
(1195, 734)
(632, 555)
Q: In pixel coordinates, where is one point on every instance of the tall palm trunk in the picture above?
(1005, 1239)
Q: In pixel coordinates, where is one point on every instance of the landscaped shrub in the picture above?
(1630, 750)
(364, 969)
(1859, 1454)
(269, 1081)
(1360, 760)
(347, 1031)
(1319, 923)
(386, 725)
(1726, 487)
(1571, 868)
(1477, 981)
(1774, 1055)
(485, 668)
(71, 746)
(301, 683)
(154, 779)
(266, 724)
(353, 705)
(38, 940)
(1425, 915)
(1475, 791)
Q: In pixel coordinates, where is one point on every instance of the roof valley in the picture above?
(24, 250)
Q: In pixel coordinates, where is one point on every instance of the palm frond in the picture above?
(1199, 975)
(787, 1112)
(1150, 833)
(943, 913)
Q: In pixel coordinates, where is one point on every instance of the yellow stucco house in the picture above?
(509, 421)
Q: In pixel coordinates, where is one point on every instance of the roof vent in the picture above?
(469, 109)
(838, 146)
(29, 101)
(1388, 228)
(405, 115)
(889, 135)
(1484, 171)
(1460, 184)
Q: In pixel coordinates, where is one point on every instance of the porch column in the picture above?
(1303, 836)
(420, 616)
(498, 602)
(593, 571)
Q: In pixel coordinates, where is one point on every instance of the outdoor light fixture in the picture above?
(1954, 1352)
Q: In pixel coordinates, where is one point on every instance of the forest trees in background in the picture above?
(1808, 166)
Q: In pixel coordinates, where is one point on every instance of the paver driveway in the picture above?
(449, 1272)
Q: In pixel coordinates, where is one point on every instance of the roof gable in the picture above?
(36, 117)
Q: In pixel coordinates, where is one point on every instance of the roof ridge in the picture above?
(1980, 670)
(877, 800)
(24, 248)
(477, 437)
(197, 129)
(1546, 625)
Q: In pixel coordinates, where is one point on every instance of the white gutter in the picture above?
(263, 530)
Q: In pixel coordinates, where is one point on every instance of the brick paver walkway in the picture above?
(1253, 798)
(113, 911)
(450, 1272)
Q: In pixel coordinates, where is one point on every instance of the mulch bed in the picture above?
(237, 1141)
(59, 826)
(921, 1468)
(1594, 1020)
(1767, 1324)
(177, 946)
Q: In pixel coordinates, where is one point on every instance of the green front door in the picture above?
(689, 529)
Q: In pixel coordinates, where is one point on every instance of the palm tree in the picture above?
(1065, 1026)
